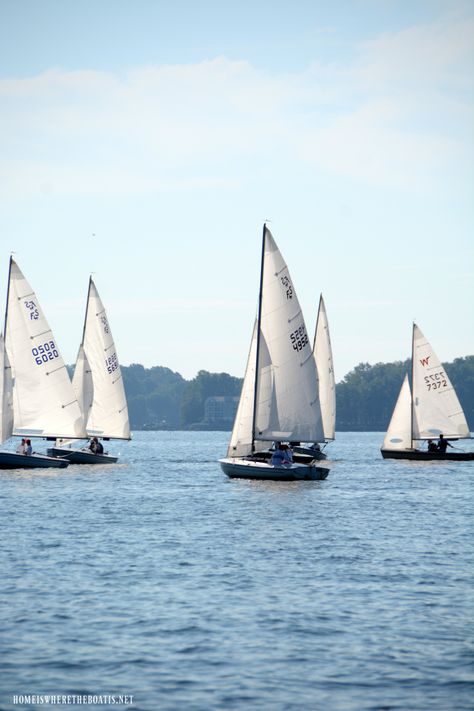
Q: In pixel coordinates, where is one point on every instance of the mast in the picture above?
(87, 310)
(259, 320)
(412, 381)
(317, 321)
(8, 297)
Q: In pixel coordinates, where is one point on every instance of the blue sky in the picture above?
(146, 142)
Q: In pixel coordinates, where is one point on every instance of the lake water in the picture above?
(162, 579)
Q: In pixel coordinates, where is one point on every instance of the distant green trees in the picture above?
(154, 396)
(159, 398)
(197, 391)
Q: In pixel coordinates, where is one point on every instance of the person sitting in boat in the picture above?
(287, 454)
(95, 446)
(443, 444)
(278, 455)
(28, 448)
(21, 449)
(432, 446)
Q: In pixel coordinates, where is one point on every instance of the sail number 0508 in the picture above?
(45, 353)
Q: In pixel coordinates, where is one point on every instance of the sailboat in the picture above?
(322, 353)
(36, 386)
(279, 400)
(98, 386)
(430, 409)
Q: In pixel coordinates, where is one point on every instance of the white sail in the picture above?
(240, 444)
(98, 364)
(287, 394)
(44, 403)
(82, 383)
(436, 408)
(6, 394)
(324, 364)
(399, 430)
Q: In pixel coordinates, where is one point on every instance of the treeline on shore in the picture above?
(159, 398)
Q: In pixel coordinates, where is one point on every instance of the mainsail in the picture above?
(324, 364)
(97, 377)
(44, 403)
(287, 406)
(436, 408)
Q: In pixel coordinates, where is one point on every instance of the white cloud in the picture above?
(399, 115)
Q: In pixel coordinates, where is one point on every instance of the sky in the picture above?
(146, 142)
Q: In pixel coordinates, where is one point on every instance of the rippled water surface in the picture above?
(162, 579)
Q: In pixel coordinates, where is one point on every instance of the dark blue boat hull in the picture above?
(12, 460)
(81, 456)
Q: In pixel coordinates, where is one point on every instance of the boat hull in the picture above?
(420, 456)
(249, 469)
(81, 456)
(309, 452)
(12, 460)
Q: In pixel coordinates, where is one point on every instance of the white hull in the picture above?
(249, 469)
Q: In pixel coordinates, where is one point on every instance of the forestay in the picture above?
(436, 408)
(399, 430)
(105, 408)
(324, 364)
(287, 389)
(44, 403)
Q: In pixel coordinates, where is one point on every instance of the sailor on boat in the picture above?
(443, 444)
(282, 455)
(95, 446)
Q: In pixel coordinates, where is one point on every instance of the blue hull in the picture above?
(418, 455)
(81, 456)
(309, 452)
(11, 460)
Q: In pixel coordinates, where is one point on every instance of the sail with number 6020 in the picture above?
(42, 397)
